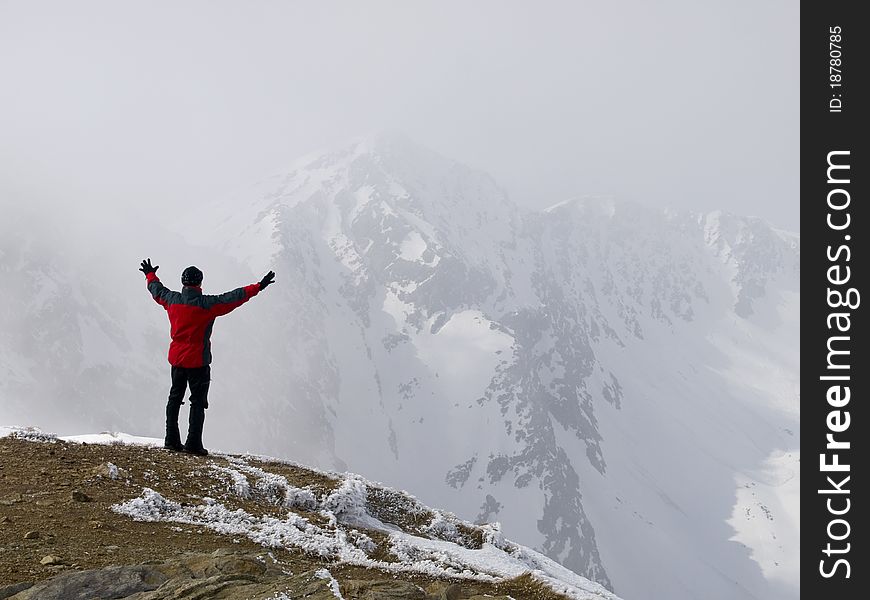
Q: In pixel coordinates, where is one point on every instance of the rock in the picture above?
(31, 535)
(109, 471)
(80, 496)
(441, 590)
(228, 586)
(230, 576)
(451, 592)
(4, 519)
(385, 589)
(54, 569)
(51, 559)
(220, 562)
(227, 574)
(11, 590)
(111, 582)
(44, 502)
(11, 499)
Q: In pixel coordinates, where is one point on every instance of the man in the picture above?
(191, 317)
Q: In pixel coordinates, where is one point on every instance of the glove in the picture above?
(147, 268)
(269, 278)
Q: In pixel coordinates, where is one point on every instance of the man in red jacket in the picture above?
(191, 318)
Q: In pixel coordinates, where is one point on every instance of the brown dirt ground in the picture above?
(37, 481)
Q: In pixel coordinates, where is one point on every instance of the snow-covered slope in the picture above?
(605, 378)
(616, 385)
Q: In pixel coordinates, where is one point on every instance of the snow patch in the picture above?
(275, 488)
(113, 437)
(497, 559)
(240, 484)
(333, 584)
(348, 502)
(362, 196)
(31, 434)
(113, 470)
(763, 497)
(468, 347)
(412, 247)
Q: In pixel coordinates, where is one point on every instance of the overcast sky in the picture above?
(690, 104)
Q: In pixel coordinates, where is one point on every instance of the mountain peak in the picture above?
(387, 147)
(386, 141)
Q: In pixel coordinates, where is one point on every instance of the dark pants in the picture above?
(198, 380)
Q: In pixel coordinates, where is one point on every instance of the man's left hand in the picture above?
(268, 279)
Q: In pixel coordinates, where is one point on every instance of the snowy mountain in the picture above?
(615, 371)
(616, 385)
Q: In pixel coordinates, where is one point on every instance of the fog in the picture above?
(154, 105)
(431, 325)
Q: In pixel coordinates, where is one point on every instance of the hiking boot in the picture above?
(177, 447)
(198, 451)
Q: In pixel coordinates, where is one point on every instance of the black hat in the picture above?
(191, 276)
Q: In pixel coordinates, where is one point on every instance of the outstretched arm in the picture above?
(229, 301)
(159, 292)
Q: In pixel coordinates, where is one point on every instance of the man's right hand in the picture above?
(268, 279)
(147, 268)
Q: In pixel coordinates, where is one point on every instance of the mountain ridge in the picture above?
(249, 525)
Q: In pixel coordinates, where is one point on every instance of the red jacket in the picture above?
(191, 318)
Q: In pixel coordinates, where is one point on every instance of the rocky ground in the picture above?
(59, 538)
